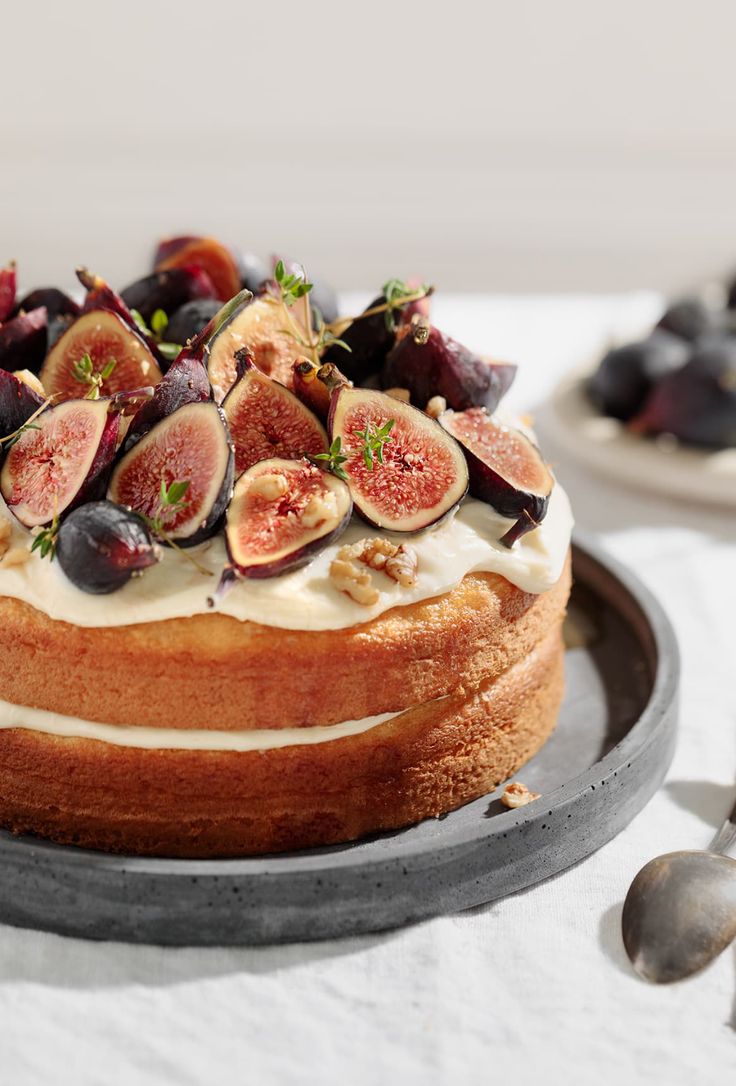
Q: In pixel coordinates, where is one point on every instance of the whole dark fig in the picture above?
(429, 363)
(189, 320)
(101, 545)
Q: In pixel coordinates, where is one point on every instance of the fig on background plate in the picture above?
(23, 341)
(282, 513)
(696, 403)
(188, 321)
(266, 421)
(100, 546)
(190, 447)
(168, 290)
(429, 363)
(209, 254)
(62, 462)
(506, 468)
(691, 318)
(18, 401)
(111, 344)
(7, 290)
(625, 374)
(404, 471)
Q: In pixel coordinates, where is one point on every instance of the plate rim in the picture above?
(345, 858)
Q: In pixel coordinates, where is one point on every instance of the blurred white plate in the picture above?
(661, 464)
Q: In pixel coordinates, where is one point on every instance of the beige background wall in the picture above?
(507, 145)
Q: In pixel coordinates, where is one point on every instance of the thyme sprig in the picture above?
(29, 424)
(291, 287)
(374, 442)
(157, 332)
(170, 503)
(84, 371)
(333, 460)
(46, 538)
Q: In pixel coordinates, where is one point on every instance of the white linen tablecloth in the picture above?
(534, 985)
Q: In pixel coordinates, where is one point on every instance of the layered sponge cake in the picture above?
(268, 616)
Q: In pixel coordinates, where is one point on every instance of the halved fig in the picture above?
(267, 421)
(7, 290)
(282, 513)
(17, 403)
(262, 328)
(506, 468)
(184, 382)
(190, 446)
(429, 363)
(100, 546)
(62, 462)
(108, 340)
(209, 254)
(23, 341)
(404, 471)
(168, 290)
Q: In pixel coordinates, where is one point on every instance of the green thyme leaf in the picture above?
(159, 323)
(374, 442)
(333, 459)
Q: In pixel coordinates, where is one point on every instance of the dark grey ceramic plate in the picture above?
(613, 744)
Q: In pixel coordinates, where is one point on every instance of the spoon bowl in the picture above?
(680, 914)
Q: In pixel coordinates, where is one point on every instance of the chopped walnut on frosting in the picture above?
(517, 794)
(397, 561)
(16, 556)
(436, 407)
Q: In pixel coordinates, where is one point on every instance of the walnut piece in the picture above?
(31, 380)
(6, 532)
(399, 562)
(517, 794)
(16, 556)
(348, 577)
(436, 407)
(319, 508)
(269, 487)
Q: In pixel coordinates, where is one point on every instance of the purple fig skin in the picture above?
(184, 382)
(93, 484)
(440, 366)
(370, 341)
(101, 545)
(433, 434)
(167, 290)
(7, 290)
(54, 301)
(201, 346)
(23, 341)
(297, 556)
(491, 486)
(17, 403)
(212, 518)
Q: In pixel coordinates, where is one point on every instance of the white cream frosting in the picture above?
(119, 735)
(304, 599)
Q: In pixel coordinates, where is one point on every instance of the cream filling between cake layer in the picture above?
(144, 738)
(304, 599)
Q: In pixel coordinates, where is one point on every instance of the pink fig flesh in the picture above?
(209, 254)
(423, 476)
(192, 446)
(282, 513)
(506, 468)
(60, 463)
(261, 327)
(107, 339)
(267, 421)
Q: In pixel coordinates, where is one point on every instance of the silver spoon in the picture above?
(680, 911)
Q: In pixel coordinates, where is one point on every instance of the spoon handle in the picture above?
(726, 836)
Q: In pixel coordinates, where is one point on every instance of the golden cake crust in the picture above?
(213, 671)
(428, 760)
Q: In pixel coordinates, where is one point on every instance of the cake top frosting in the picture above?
(279, 463)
